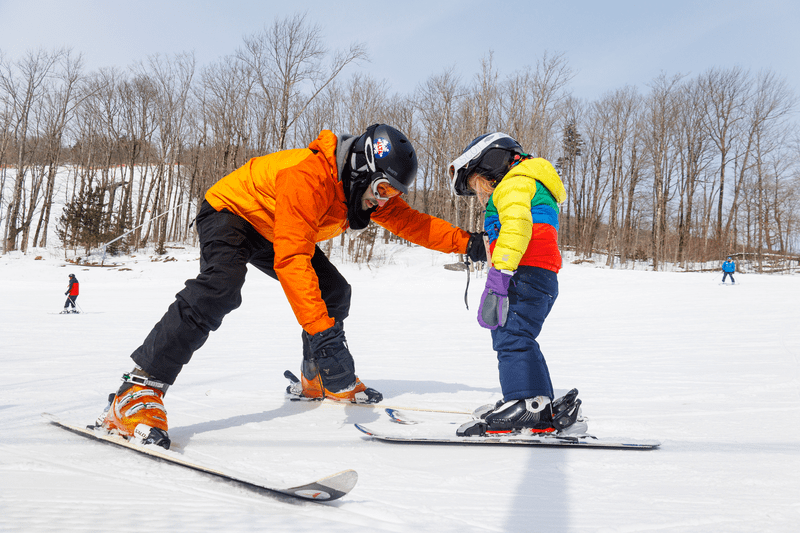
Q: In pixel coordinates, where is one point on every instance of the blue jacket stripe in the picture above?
(544, 214)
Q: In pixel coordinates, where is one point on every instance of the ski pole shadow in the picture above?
(396, 387)
(183, 434)
(354, 414)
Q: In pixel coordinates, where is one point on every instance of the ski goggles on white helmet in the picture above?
(460, 168)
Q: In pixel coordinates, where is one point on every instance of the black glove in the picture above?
(476, 250)
(329, 350)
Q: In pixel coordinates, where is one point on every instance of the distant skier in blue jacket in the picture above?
(728, 267)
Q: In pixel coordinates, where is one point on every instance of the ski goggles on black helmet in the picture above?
(383, 190)
(381, 186)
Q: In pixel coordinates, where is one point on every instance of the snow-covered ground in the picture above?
(709, 370)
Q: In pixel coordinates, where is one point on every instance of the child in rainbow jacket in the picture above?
(521, 194)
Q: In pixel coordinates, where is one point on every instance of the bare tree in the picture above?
(365, 102)
(763, 133)
(592, 175)
(621, 108)
(173, 80)
(326, 112)
(61, 102)
(226, 99)
(480, 114)
(661, 117)
(285, 58)
(532, 103)
(138, 96)
(6, 120)
(694, 155)
(437, 102)
(725, 94)
(22, 85)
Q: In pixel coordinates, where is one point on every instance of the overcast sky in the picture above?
(608, 44)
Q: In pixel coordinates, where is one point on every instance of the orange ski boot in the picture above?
(311, 386)
(137, 410)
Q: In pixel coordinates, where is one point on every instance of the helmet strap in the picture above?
(359, 176)
(357, 182)
(357, 217)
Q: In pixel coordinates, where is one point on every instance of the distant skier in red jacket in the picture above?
(72, 294)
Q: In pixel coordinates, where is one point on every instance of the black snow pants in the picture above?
(227, 244)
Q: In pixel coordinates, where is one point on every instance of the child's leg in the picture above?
(523, 369)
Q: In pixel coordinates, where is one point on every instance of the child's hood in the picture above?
(542, 171)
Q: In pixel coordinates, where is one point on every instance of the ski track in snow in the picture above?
(709, 370)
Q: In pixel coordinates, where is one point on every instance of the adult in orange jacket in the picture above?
(271, 213)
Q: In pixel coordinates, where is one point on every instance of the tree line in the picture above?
(689, 170)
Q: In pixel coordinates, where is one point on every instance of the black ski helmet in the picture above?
(490, 154)
(383, 151)
(72, 275)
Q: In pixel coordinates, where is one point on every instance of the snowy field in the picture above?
(711, 371)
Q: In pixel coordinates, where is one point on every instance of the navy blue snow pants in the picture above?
(227, 244)
(523, 369)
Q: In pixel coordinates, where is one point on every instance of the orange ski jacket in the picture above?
(294, 198)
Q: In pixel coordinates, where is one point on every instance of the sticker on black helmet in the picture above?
(381, 147)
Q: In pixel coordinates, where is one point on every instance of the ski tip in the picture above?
(364, 429)
(328, 488)
(396, 416)
(347, 477)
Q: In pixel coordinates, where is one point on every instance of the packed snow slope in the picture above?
(709, 370)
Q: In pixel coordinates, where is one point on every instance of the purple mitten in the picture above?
(493, 310)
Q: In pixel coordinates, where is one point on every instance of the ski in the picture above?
(295, 397)
(401, 428)
(328, 488)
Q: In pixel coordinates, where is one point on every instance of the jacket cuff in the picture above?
(319, 325)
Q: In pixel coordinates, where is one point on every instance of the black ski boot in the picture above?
(532, 415)
(566, 410)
